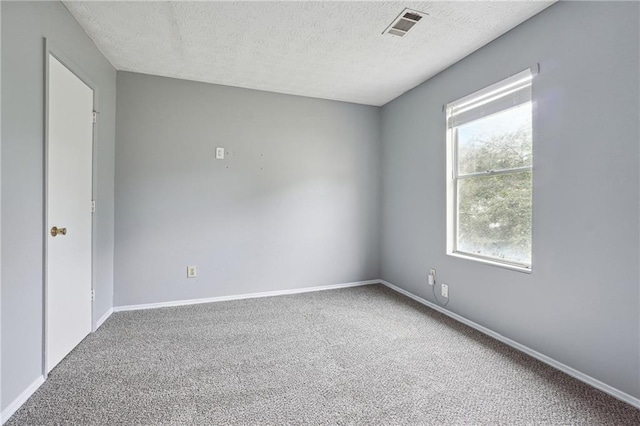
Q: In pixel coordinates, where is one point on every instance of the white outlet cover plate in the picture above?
(192, 272)
(220, 153)
(445, 290)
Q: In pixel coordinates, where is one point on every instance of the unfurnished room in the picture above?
(320, 212)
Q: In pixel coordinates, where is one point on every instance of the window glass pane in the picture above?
(496, 142)
(494, 216)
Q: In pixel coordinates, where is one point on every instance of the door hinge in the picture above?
(93, 206)
(95, 117)
(93, 295)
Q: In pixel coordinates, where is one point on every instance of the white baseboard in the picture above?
(103, 318)
(241, 296)
(631, 400)
(21, 399)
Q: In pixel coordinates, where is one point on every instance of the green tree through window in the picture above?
(490, 204)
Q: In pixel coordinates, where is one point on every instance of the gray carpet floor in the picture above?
(363, 355)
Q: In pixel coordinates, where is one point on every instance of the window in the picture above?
(489, 193)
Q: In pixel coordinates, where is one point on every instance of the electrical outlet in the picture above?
(220, 153)
(444, 290)
(192, 272)
(432, 276)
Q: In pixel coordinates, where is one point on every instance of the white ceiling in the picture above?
(331, 49)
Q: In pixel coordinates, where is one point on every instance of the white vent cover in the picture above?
(404, 22)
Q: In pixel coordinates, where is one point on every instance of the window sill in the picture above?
(523, 269)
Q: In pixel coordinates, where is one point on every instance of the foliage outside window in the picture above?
(490, 173)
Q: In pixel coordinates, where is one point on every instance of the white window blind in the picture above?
(506, 94)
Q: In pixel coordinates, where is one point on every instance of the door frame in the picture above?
(51, 49)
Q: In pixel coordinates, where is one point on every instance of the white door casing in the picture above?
(68, 205)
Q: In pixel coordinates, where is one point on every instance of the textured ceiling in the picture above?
(332, 49)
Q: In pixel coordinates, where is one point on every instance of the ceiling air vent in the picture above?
(404, 22)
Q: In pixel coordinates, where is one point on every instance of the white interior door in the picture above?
(68, 206)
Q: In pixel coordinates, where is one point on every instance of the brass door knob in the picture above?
(57, 231)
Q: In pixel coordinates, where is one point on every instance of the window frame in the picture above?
(454, 177)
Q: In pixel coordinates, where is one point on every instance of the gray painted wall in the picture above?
(24, 24)
(580, 305)
(293, 205)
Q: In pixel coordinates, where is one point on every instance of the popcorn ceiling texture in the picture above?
(330, 50)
